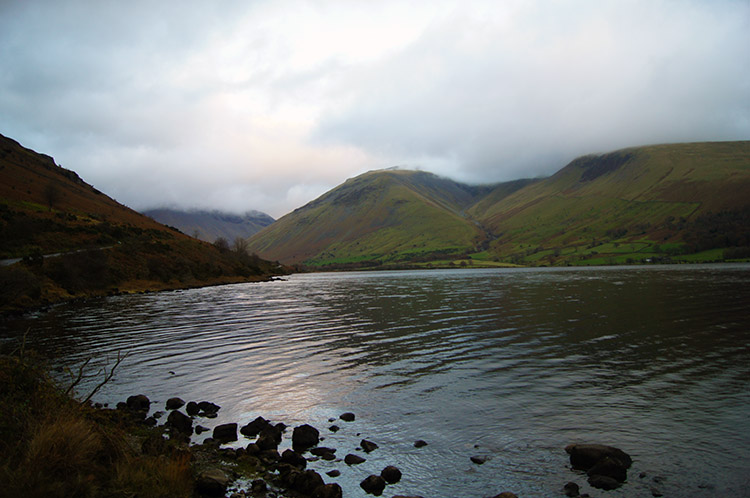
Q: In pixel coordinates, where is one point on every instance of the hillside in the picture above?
(211, 225)
(679, 202)
(388, 216)
(74, 241)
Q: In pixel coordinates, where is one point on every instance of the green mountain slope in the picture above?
(681, 202)
(644, 200)
(386, 216)
(61, 238)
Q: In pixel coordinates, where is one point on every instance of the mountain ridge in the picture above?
(209, 225)
(629, 205)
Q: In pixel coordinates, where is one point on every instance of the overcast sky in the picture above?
(267, 104)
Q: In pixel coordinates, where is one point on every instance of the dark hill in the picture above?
(211, 225)
(74, 241)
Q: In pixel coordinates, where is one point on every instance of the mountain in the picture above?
(642, 204)
(61, 238)
(386, 216)
(210, 225)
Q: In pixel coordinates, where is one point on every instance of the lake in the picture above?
(509, 365)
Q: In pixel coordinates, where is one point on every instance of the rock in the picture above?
(373, 485)
(351, 459)
(252, 449)
(305, 436)
(479, 460)
(294, 459)
(158, 415)
(305, 482)
(603, 482)
(258, 486)
(610, 467)
(212, 482)
(656, 492)
(267, 440)
(253, 428)
(200, 429)
(420, 443)
(571, 489)
(347, 417)
(138, 403)
(328, 456)
(332, 490)
(121, 405)
(207, 407)
(174, 404)
(269, 456)
(334, 428)
(322, 450)
(585, 456)
(150, 421)
(391, 474)
(368, 446)
(333, 473)
(404, 496)
(192, 408)
(181, 422)
(225, 433)
(506, 494)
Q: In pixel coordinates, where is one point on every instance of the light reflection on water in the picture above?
(508, 364)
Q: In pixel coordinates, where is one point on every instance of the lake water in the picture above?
(510, 365)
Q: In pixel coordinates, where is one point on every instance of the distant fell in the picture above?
(661, 203)
(61, 238)
(211, 225)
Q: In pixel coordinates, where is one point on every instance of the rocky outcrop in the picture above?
(305, 436)
(606, 466)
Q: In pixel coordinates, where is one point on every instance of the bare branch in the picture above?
(107, 376)
(78, 377)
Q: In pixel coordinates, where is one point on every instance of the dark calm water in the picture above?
(511, 365)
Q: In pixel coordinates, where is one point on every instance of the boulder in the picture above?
(368, 446)
(322, 450)
(253, 428)
(174, 404)
(585, 456)
(212, 482)
(391, 474)
(603, 482)
(207, 407)
(351, 459)
(267, 440)
(192, 408)
(610, 467)
(571, 489)
(347, 417)
(294, 459)
(332, 490)
(138, 403)
(305, 436)
(180, 422)
(305, 482)
(373, 485)
(225, 433)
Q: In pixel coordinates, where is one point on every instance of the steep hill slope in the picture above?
(657, 203)
(386, 216)
(210, 225)
(645, 200)
(75, 241)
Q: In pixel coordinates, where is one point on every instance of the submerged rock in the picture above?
(174, 404)
(225, 433)
(604, 482)
(419, 443)
(368, 446)
(585, 456)
(305, 436)
(352, 459)
(373, 485)
(391, 474)
(479, 460)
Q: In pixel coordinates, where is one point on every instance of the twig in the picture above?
(107, 376)
(79, 377)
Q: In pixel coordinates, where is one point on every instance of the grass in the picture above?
(50, 445)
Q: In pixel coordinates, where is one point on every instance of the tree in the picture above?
(221, 244)
(239, 245)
